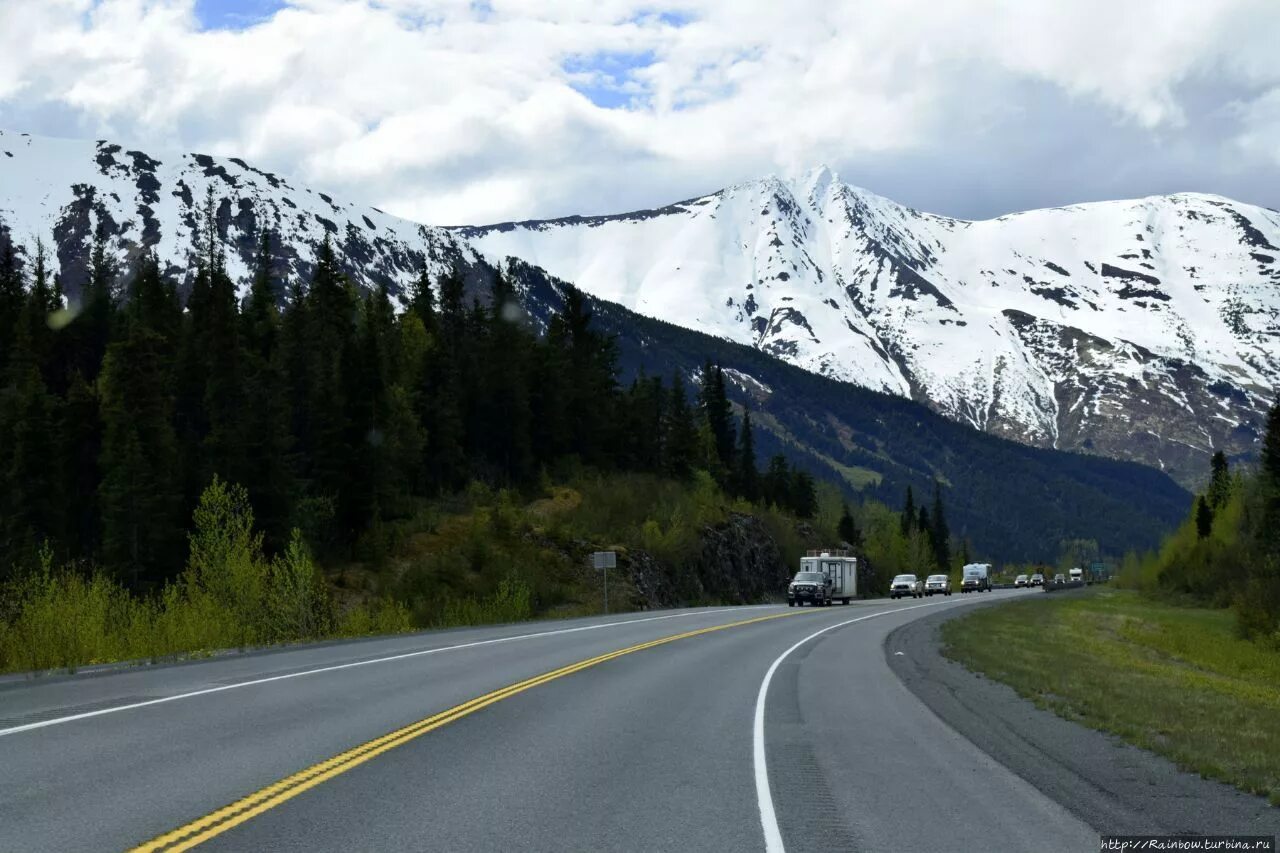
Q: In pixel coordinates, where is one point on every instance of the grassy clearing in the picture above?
(1175, 680)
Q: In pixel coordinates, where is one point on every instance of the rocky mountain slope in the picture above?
(1011, 500)
(61, 192)
(1146, 329)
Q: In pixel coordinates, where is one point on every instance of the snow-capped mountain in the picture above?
(62, 191)
(1144, 329)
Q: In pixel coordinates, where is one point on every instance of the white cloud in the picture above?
(454, 111)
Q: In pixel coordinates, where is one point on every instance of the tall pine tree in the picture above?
(680, 433)
(941, 534)
(747, 477)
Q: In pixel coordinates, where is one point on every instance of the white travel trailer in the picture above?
(976, 577)
(840, 568)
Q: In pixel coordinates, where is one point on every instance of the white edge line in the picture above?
(768, 817)
(57, 721)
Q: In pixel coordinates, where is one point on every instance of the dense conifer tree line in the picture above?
(331, 408)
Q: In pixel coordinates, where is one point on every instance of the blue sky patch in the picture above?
(675, 19)
(606, 78)
(235, 14)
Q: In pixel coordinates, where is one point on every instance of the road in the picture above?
(716, 729)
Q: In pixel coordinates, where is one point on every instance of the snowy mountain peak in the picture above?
(817, 182)
(1146, 329)
(63, 191)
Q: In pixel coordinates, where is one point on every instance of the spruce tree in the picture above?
(224, 444)
(1204, 518)
(260, 323)
(332, 365)
(422, 303)
(504, 422)
(643, 413)
(91, 330)
(907, 522)
(32, 500)
(141, 534)
(804, 495)
(1271, 449)
(11, 300)
(941, 534)
(718, 415)
(79, 438)
(32, 338)
(442, 403)
(680, 433)
(776, 484)
(265, 426)
(847, 528)
(591, 390)
(748, 477)
(1269, 477)
(1219, 481)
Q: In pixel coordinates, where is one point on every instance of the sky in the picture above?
(478, 111)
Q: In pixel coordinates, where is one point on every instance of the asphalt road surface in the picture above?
(751, 728)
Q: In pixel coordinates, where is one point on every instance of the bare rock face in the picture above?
(739, 563)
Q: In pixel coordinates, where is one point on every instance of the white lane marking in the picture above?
(57, 721)
(768, 817)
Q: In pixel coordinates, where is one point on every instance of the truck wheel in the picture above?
(844, 601)
(791, 604)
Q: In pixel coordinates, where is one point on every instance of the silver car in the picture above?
(937, 584)
(906, 585)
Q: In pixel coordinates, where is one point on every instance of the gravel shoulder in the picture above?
(1114, 787)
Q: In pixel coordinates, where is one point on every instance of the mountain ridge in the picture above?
(1146, 329)
(69, 189)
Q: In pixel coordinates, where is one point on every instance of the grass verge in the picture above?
(1174, 680)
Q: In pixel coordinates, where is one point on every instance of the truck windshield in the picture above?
(904, 579)
(808, 576)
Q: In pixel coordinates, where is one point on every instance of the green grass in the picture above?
(1174, 680)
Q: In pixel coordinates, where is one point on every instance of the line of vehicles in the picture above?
(1073, 575)
(831, 575)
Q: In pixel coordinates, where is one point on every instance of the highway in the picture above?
(751, 728)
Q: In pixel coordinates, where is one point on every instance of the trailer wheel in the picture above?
(844, 601)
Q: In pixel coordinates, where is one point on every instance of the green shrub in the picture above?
(382, 616)
(296, 601)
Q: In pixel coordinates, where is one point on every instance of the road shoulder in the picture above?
(1112, 786)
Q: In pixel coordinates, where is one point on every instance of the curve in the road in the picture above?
(768, 814)
(217, 822)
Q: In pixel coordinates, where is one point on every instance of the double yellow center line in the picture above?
(246, 808)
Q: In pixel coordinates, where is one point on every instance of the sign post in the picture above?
(604, 561)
